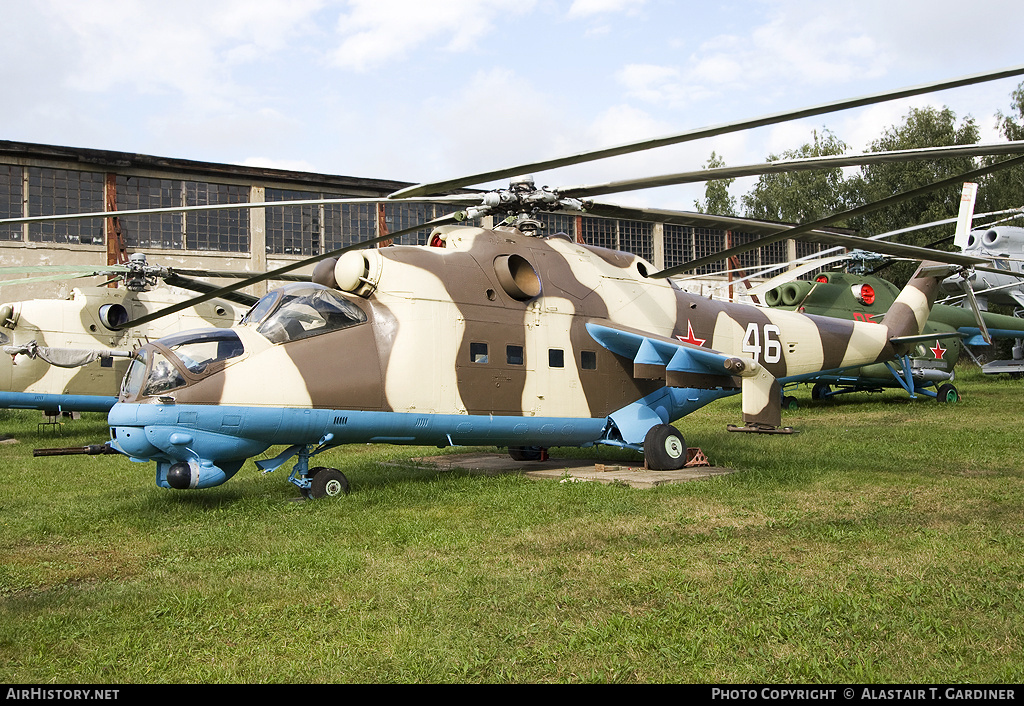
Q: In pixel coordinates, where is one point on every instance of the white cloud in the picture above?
(375, 32)
(153, 47)
(588, 8)
(649, 82)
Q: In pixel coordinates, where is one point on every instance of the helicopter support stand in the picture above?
(761, 429)
(313, 483)
(53, 420)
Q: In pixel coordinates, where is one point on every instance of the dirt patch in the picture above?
(573, 469)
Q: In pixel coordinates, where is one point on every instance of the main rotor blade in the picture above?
(437, 187)
(50, 278)
(273, 274)
(67, 269)
(855, 242)
(176, 272)
(792, 165)
(458, 199)
(199, 286)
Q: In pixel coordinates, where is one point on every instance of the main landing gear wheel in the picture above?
(327, 483)
(948, 393)
(526, 453)
(664, 448)
(820, 391)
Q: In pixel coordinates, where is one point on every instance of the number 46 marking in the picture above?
(772, 348)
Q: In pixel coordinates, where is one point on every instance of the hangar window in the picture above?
(636, 237)
(478, 352)
(150, 230)
(293, 230)
(600, 232)
(224, 231)
(678, 244)
(400, 216)
(60, 191)
(348, 223)
(10, 200)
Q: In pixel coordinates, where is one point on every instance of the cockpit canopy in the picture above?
(198, 352)
(302, 310)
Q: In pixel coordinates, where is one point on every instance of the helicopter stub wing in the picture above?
(684, 365)
(679, 364)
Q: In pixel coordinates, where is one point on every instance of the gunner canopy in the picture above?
(302, 310)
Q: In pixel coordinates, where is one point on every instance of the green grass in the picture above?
(883, 543)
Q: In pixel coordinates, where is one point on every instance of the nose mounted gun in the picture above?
(89, 450)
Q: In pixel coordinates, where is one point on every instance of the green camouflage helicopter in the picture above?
(926, 370)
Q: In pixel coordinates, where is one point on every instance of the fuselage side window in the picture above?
(514, 355)
(478, 352)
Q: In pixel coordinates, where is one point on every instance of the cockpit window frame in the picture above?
(158, 351)
(305, 303)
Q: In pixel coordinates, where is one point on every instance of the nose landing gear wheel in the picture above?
(664, 448)
(327, 483)
(527, 453)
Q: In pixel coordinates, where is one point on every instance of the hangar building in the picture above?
(38, 180)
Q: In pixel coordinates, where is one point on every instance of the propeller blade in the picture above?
(274, 274)
(855, 242)
(700, 133)
(792, 165)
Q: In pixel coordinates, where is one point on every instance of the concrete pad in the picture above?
(573, 469)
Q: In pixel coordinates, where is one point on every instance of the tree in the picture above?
(800, 197)
(922, 127)
(717, 199)
(1005, 189)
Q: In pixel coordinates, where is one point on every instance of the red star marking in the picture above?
(690, 338)
(937, 351)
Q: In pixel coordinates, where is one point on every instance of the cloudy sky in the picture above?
(416, 90)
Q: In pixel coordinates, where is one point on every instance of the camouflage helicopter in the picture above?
(69, 355)
(863, 297)
(500, 336)
(854, 292)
